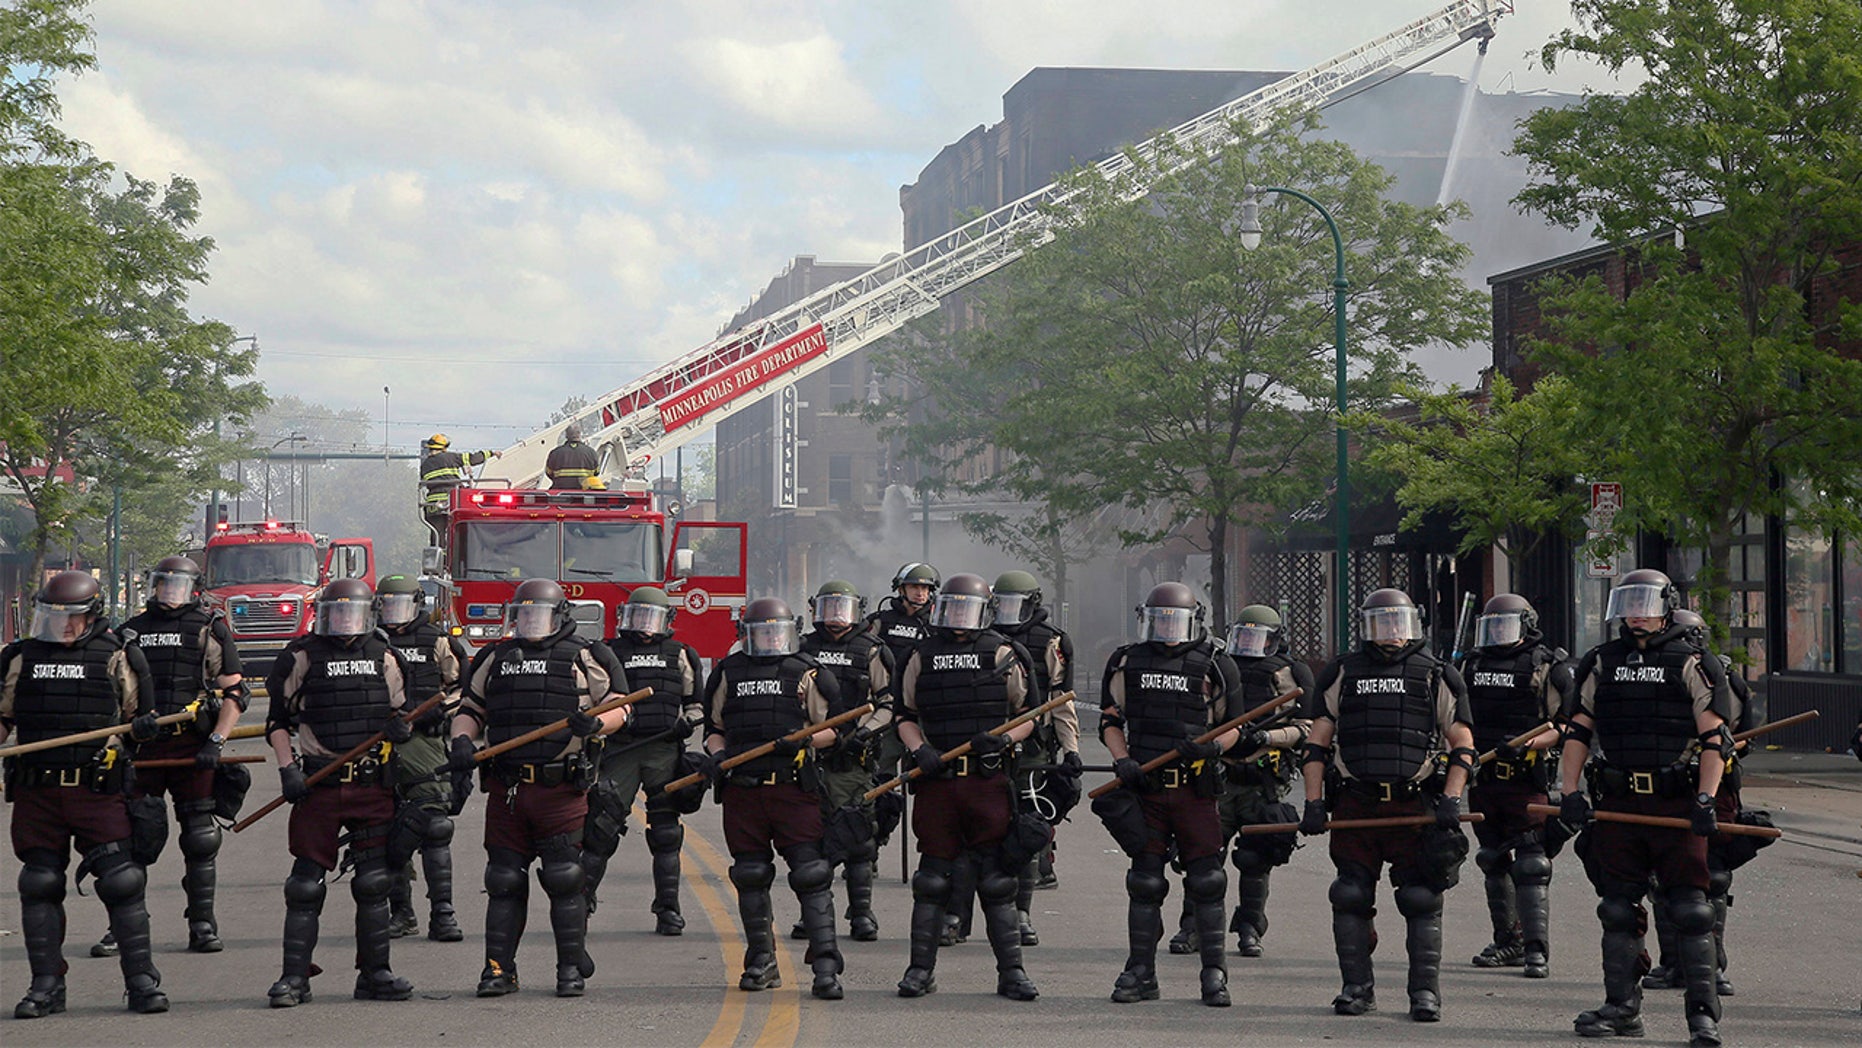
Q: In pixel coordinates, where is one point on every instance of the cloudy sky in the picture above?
(491, 206)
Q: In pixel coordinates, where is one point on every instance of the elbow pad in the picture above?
(1316, 754)
(240, 694)
(1719, 739)
(1463, 757)
(1578, 732)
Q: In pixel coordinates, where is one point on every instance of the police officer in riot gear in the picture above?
(334, 688)
(900, 623)
(1645, 700)
(572, 463)
(863, 669)
(73, 674)
(1387, 716)
(645, 754)
(1160, 694)
(764, 691)
(1021, 617)
(541, 673)
(1260, 771)
(957, 684)
(192, 662)
(434, 661)
(1515, 683)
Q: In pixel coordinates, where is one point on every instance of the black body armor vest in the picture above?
(344, 696)
(61, 691)
(764, 703)
(1644, 714)
(1037, 636)
(899, 630)
(1501, 697)
(850, 659)
(960, 690)
(658, 664)
(529, 686)
(424, 679)
(1164, 696)
(175, 645)
(1386, 715)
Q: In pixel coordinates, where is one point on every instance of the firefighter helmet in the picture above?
(65, 607)
(436, 442)
(538, 609)
(1389, 616)
(594, 484)
(1170, 614)
(1506, 620)
(345, 608)
(648, 611)
(769, 629)
(1018, 594)
(963, 604)
(1255, 633)
(837, 604)
(175, 582)
(399, 600)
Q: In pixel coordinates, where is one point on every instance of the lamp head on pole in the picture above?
(1250, 217)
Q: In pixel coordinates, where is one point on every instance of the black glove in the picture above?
(398, 730)
(984, 744)
(1312, 822)
(1705, 821)
(1574, 810)
(703, 763)
(928, 758)
(431, 719)
(1129, 772)
(584, 724)
(1252, 740)
(1508, 752)
(787, 748)
(144, 728)
(1192, 750)
(1448, 812)
(857, 741)
(462, 789)
(1070, 766)
(208, 756)
(291, 782)
(683, 729)
(463, 756)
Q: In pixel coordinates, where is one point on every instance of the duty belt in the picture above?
(1384, 791)
(776, 777)
(971, 764)
(1655, 782)
(366, 770)
(1174, 777)
(548, 773)
(71, 775)
(1505, 770)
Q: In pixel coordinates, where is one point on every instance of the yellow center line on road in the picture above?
(730, 1022)
(783, 1024)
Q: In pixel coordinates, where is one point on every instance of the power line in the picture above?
(454, 361)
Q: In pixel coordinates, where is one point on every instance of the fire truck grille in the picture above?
(261, 618)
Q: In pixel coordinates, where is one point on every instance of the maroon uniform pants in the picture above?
(319, 819)
(758, 819)
(1400, 846)
(1628, 854)
(957, 815)
(1178, 814)
(50, 818)
(520, 821)
(1503, 802)
(183, 784)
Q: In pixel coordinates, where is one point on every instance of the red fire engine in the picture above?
(263, 574)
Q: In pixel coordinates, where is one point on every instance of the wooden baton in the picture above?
(188, 762)
(558, 725)
(1516, 741)
(1736, 829)
(330, 769)
(90, 736)
(1213, 733)
(962, 748)
(1360, 824)
(798, 735)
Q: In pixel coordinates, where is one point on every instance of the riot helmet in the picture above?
(1170, 614)
(837, 605)
(345, 608)
(915, 574)
(1255, 633)
(1390, 617)
(1692, 625)
(963, 604)
(769, 629)
(399, 600)
(175, 582)
(1506, 620)
(538, 609)
(1017, 597)
(65, 607)
(648, 611)
(1644, 593)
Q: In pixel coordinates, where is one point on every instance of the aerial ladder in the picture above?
(679, 400)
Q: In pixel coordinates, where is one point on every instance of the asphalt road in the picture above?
(1792, 938)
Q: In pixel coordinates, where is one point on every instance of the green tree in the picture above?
(1710, 383)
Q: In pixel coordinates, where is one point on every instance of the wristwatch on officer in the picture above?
(1705, 800)
(217, 739)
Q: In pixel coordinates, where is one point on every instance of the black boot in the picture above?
(931, 887)
(371, 886)
(824, 956)
(1699, 972)
(507, 910)
(1144, 926)
(753, 875)
(1214, 953)
(303, 906)
(120, 884)
(1535, 929)
(1250, 921)
(1621, 1013)
(199, 842)
(1424, 946)
(401, 919)
(1720, 981)
(42, 920)
(562, 881)
(1351, 938)
(861, 924)
(1185, 941)
(1666, 974)
(1024, 905)
(996, 895)
(1507, 948)
(436, 861)
(664, 842)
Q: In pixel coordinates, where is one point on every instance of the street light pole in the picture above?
(1251, 239)
(213, 510)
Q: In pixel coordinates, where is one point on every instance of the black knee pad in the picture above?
(200, 836)
(810, 876)
(119, 878)
(1492, 860)
(802, 854)
(304, 889)
(993, 884)
(1353, 895)
(1250, 863)
(665, 837)
(1418, 900)
(504, 880)
(1205, 880)
(438, 831)
(371, 881)
(561, 878)
(1719, 883)
(1618, 913)
(1532, 868)
(931, 881)
(1146, 885)
(1689, 910)
(753, 872)
(562, 848)
(41, 882)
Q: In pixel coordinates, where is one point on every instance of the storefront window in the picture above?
(1852, 605)
(1809, 602)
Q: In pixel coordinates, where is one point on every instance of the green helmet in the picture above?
(1018, 594)
(1254, 633)
(650, 595)
(918, 574)
(648, 611)
(399, 600)
(837, 604)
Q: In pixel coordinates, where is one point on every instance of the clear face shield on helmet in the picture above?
(650, 619)
(836, 610)
(399, 609)
(1013, 609)
(343, 618)
(1392, 625)
(1502, 629)
(530, 621)
(771, 637)
(59, 623)
(1250, 640)
(1636, 601)
(173, 588)
(960, 611)
(1166, 625)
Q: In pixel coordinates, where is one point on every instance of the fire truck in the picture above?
(600, 545)
(263, 575)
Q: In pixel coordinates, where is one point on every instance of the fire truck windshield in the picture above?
(236, 565)
(607, 551)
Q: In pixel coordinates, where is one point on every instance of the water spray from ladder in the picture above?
(1443, 195)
